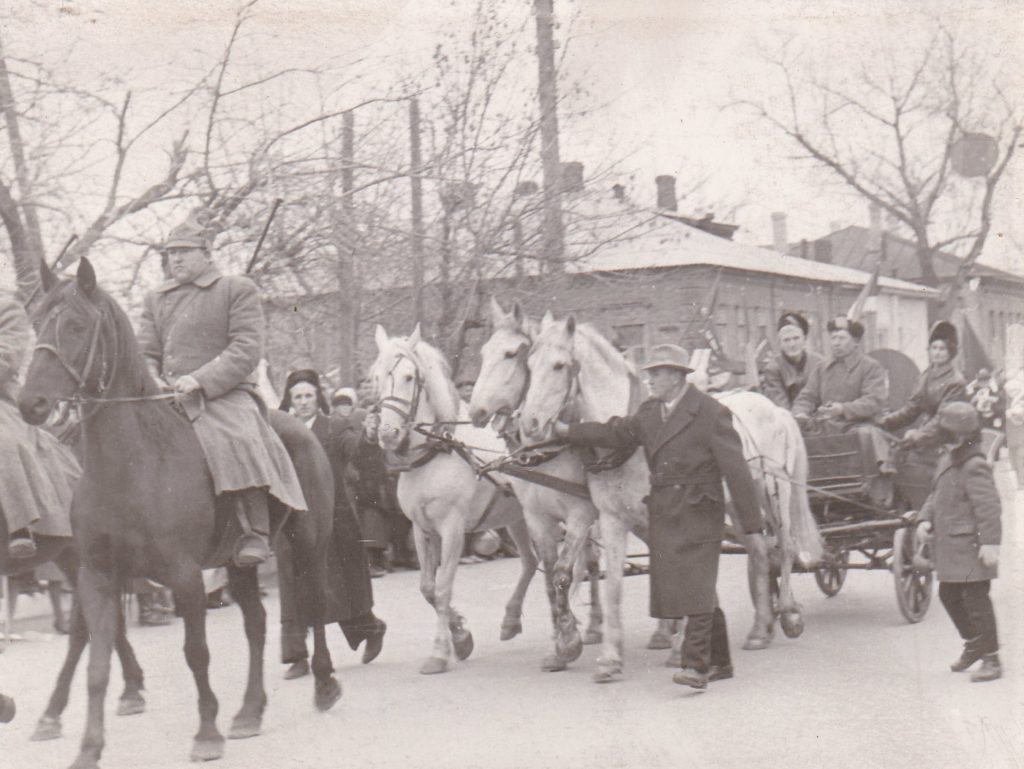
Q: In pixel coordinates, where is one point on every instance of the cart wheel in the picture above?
(913, 581)
(832, 574)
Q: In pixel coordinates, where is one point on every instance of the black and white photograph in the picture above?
(512, 384)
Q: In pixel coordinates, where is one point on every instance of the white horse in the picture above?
(575, 365)
(439, 492)
(497, 395)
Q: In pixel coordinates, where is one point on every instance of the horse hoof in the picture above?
(592, 637)
(510, 628)
(553, 664)
(607, 676)
(659, 641)
(756, 643)
(675, 659)
(47, 729)
(327, 693)
(570, 650)
(131, 704)
(243, 727)
(792, 624)
(207, 750)
(463, 644)
(434, 665)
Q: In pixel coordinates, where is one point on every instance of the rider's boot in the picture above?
(254, 545)
(20, 544)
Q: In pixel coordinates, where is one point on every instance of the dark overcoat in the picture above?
(689, 455)
(348, 575)
(938, 384)
(965, 512)
(782, 379)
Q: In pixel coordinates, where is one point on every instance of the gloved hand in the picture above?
(185, 385)
(924, 530)
(989, 555)
(560, 429)
(911, 438)
(802, 420)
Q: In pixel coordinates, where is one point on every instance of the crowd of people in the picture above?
(202, 335)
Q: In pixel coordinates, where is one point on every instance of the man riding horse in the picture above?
(37, 473)
(202, 334)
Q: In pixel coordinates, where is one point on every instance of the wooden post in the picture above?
(418, 235)
(348, 292)
(547, 93)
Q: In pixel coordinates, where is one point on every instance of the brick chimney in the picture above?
(779, 238)
(619, 192)
(874, 227)
(572, 176)
(666, 192)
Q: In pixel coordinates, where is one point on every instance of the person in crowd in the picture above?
(347, 564)
(988, 399)
(202, 334)
(940, 383)
(691, 446)
(962, 518)
(344, 401)
(465, 388)
(37, 473)
(787, 372)
(848, 389)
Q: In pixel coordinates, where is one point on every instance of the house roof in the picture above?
(852, 247)
(665, 243)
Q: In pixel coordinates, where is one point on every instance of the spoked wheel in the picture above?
(913, 576)
(831, 575)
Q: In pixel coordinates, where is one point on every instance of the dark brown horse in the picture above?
(146, 507)
(61, 551)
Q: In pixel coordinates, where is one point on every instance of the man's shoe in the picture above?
(720, 672)
(691, 677)
(376, 572)
(252, 549)
(153, 618)
(21, 546)
(990, 669)
(297, 670)
(969, 656)
(374, 642)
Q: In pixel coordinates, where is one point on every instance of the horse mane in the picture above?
(436, 374)
(611, 358)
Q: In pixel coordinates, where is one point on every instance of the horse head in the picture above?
(71, 356)
(504, 375)
(398, 383)
(553, 372)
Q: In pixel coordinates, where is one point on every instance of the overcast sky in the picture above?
(665, 72)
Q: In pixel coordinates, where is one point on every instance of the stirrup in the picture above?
(252, 549)
(20, 548)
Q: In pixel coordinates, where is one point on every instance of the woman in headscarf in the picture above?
(940, 383)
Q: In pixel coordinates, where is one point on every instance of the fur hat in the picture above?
(790, 318)
(945, 331)
(842, 323)
(959, 418)
(342, 394)
(308, 376)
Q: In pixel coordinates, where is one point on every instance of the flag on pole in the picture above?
(864, 302)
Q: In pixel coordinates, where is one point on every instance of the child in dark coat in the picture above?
(963, 517)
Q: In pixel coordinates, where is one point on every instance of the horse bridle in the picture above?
(81, 378)
(572, 389)
(405, 408)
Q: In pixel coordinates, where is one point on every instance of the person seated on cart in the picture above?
(786, 374)
(846, 393)
(940, 383)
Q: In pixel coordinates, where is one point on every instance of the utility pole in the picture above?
(26, 264)
(418, 234)
(547, 95)
(348, 294)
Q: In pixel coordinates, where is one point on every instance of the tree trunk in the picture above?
(28, 253)
(348, 293)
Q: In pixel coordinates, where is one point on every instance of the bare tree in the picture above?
(890, 127)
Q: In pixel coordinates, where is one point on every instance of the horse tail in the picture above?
(809, 544)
